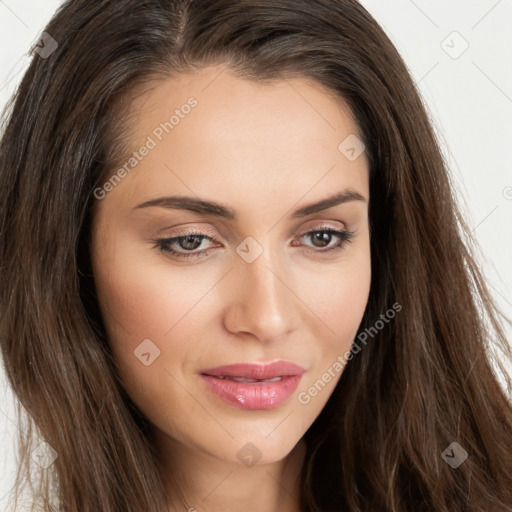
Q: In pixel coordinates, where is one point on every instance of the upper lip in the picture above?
(256, 370)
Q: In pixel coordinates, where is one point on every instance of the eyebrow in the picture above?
(194, 204)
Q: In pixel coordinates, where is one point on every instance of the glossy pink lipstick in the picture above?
(254, 386)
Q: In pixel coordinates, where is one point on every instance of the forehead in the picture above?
(209, 128)
(299, 104)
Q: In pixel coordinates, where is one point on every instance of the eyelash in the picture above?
(164, 244)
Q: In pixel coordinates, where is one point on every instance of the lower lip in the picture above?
(253, 395)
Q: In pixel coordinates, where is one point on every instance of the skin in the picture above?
(265, 150)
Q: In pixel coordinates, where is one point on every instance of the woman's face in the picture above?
(256, 288)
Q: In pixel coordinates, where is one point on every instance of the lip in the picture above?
(260, 394)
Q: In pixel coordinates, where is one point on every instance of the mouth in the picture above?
(254, 386)
(244, 379)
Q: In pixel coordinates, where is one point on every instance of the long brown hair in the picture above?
(425, 380)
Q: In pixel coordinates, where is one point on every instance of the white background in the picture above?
(469, 99)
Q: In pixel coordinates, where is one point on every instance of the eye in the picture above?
(323, 236)
(186, 243)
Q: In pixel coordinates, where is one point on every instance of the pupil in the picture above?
(190, 239)
(322, 236)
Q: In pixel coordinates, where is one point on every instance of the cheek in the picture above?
(338, 297)
(142, 298)
(139, 304)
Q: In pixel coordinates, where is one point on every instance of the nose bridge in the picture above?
(262, 277)
(263, 303)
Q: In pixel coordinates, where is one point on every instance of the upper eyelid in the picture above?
(314, 224)
(205, 235)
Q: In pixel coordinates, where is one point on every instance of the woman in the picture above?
(233, 273)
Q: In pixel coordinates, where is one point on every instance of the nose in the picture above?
(262, 301)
